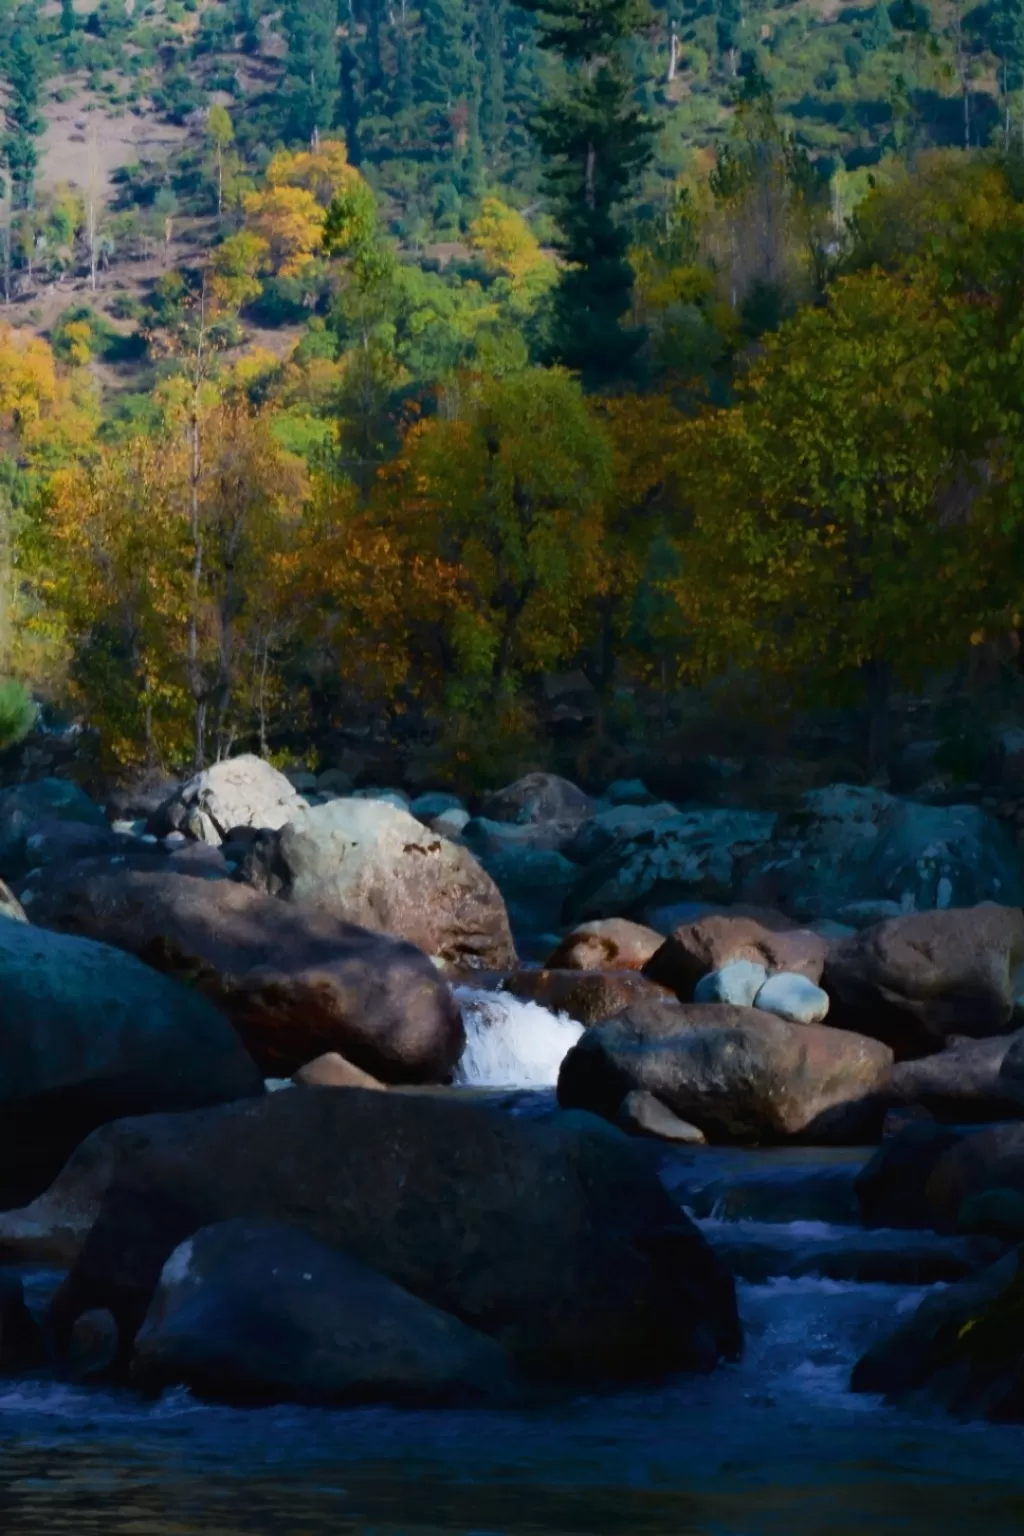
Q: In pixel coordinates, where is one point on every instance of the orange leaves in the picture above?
(288, 215)
(28, 375)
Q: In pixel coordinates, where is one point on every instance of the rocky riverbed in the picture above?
(572, 1165)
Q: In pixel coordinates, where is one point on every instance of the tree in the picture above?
(817, 552)
(597, 143)
(221, 134)
(497, 508)
(235, 265)
(313, 67)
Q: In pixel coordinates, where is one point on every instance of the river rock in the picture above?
(964, 1082)
(736, 1073)
(369, 863)
(435, 803)
(850, 843)
(963, 1348)
(694, 855)
(609, 944)
(737, 983)
(765, 939)
(534, 883)
(915, 981)
(793, 997)
(296, 982)
(91, 1034)
(892, 1187)
(604, 829)
(490, 839)
(26, 808)
(641, 1114)
(589, 997)
(256, 1311)
(240, 792)
(331, 1070)
(976, 1164)
(555, 1238)
(536, 798)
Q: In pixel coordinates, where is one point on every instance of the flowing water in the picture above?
(773, 1446)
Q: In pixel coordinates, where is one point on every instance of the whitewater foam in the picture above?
(511, 1043)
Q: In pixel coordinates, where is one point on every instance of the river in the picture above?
(773, 1446)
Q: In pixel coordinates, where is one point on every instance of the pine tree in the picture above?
(68, 19)
(313, 64)
(493, 107)
(879, 32)
(597, 142)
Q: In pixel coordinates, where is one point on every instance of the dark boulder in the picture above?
(555, 1238)
(914, 981)
(294, 981)
(536, 798)
(589, 997)
(256, 1311)
(963, 1349)
(964, 1082)
(91, 1034)
(28, 807)
(892, 1187)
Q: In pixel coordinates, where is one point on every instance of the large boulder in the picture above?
(848, 843)
(965, 1081)
(536, 798)
(721, 938)
(28, 808)
(555, 1238)
(962, 1349)
(368, 862)
(604, 829)
(294, 981)
(589, 997)
(914, 981)
(609, 944)
(975, 1166)
(694, 855)
(736, 1073)
(90, 1034)
(239, 792)
(892, 1187)
(256, 1311)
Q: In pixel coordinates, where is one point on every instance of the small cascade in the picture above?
(511, 1043)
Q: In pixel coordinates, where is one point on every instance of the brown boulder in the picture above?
(735, 1073)
(555, 1238)
(295, 982)
(368, 862)
(975, 1165)
(914, 981)
(589, 997)
(712, 942)
(608, 944)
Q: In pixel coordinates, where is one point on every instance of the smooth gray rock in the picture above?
(435, 803)
(538, 797)
(793, 997)
(738, 983)
(256, 1311)
(641, 1114)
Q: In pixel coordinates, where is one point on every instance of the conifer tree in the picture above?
(314, 66)
(597, 142)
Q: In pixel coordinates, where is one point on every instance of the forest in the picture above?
(444, 349)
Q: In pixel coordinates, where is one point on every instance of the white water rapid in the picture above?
(511, 1043)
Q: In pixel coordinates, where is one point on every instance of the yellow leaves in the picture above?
(323, 172)
(507, 243)
(288, 220)
(28, 375)
(78, 340)
(234, 269)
